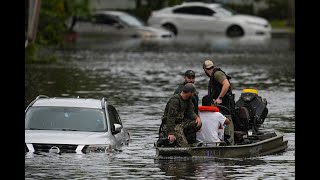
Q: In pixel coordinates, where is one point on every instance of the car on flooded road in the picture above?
(107, 24)
(73, 125)
(208, 18)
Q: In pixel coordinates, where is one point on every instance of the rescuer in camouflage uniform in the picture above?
(179, 115)
(189, 77)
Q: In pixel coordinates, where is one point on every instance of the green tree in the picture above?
(276, 10)
(53, 17)
(52, 25)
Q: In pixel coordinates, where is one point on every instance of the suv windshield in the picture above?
(65, 119)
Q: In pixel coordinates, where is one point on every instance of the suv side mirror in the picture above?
(117, 127)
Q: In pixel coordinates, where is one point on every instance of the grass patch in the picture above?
(279, 24)
(33, 55)
(282, 24)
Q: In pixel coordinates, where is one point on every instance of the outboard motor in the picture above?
(251, 110)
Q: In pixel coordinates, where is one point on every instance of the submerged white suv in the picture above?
(73, 125)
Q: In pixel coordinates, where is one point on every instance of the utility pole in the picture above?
(291, 23)
(291, 18)
(33, 18)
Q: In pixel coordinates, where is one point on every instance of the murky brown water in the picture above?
(138, 77)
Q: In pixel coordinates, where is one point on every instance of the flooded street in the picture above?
(138, 77)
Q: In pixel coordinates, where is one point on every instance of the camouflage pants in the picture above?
(180, 131)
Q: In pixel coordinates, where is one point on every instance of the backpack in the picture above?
(251, 111)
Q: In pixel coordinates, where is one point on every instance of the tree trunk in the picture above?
(138, 3)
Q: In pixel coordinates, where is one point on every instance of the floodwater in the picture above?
(138, 78)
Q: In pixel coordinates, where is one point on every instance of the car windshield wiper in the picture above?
(67, 129)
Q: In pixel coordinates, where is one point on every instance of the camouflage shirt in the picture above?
(194, 99)
(177, 109)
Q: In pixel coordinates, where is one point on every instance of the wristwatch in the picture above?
(220, 97)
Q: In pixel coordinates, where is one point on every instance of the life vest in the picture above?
(209, 108)
(214, 87)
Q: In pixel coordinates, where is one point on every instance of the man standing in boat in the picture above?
(212, 121)
(189, 77)
(219, 87)
(179, 115)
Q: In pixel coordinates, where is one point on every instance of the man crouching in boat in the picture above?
(179, 115)
(212, 121)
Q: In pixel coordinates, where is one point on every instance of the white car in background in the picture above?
(209, 18)
(115, 24)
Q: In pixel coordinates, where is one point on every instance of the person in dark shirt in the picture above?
(219, 87)
(189, 77)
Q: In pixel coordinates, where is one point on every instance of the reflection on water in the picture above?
(138, 77)
(213, 168)
(192, 169)
(194, 43)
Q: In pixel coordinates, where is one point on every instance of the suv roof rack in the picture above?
(41, 96)
(33, 101)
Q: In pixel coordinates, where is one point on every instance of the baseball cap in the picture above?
(190, 73)
(190, 87)
(207, 64)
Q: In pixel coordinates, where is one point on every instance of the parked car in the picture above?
(199, 17)
(73, 125)
(116, 24)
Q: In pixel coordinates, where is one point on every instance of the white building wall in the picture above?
(112, 4)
